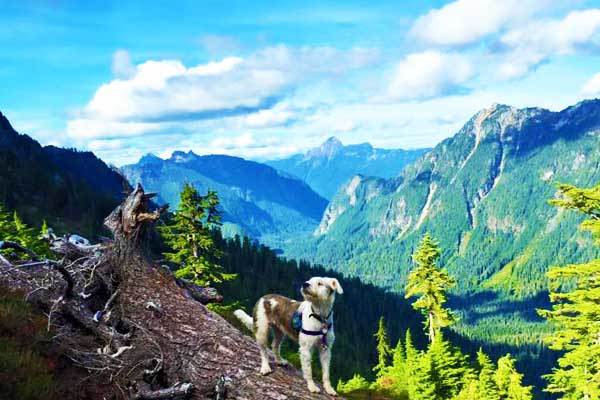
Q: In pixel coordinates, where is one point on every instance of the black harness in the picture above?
(327, 324)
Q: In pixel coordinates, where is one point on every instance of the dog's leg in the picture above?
(261, 334)
(325, 356)
(305, 360)
(276, 346)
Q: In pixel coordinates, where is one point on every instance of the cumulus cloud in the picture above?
(429, 74)
(122, 67)
(592, 87)
(167, 91)
(463, 22)
(527, 47)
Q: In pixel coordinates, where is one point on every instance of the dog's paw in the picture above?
(330, 391)
(265, 370)
(313, 388)
(282, 362)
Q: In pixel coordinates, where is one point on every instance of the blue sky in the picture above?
(266, 79)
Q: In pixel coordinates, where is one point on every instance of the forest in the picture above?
(387, 345)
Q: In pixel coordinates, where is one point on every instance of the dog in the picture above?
(310, 323)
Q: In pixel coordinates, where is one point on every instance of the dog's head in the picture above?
(321, 290)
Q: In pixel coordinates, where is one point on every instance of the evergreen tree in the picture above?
(383, 349)
(510, 382)
(575, 292)
(486, 386)
(422, 380)
(451, 368)
(430, 284)
(189, 236)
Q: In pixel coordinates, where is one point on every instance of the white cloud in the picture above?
(166, 91)
(429, 74)
(592, 86)
(463, 22)
(122, 67)
(529, 46)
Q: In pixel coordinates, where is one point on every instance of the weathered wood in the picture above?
(177, 391)
(153, 349)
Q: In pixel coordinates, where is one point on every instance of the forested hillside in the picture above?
(73, 190)
(327, 167)
(483, 193)
(256, 199)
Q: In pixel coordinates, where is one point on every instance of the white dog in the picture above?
(310, 323)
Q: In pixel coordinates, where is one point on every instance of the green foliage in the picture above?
(383, 349)
(24, 372)
(575, 292)
(13, 228)
(430, 284)
(190, 238)
(356, 383)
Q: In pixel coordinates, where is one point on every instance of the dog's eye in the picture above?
(320, 284)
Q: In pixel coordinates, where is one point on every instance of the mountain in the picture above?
(68, 188)
(483, 194)
(327, 167)
(257, 199)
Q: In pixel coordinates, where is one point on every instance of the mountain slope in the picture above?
(328, 166)
(50, 183)
(483, 193)
(261, 201)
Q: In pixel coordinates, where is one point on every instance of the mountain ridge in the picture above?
(256, 198)
(332, 163)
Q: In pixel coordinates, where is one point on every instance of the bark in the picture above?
(142, 330)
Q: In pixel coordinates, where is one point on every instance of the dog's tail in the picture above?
(245, 318)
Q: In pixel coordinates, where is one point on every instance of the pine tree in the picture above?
(430, 284)
(421, 383)
(486, 386)
(451, 367)
(575, 290)
(510, 382)
(189, 236)
(383, 349)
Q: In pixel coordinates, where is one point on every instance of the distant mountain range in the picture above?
(73, 190)
(257, 200)
(327, 167)
(482, 193)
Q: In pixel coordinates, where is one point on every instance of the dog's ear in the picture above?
(335, 285)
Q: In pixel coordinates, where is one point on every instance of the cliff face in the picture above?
(483, 193)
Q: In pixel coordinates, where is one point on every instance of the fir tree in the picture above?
(383, 349)
(451, 367)
(510, 382)
(421, 383)
(430, 284)
(575, 290)
(486, 386)
(189, 236)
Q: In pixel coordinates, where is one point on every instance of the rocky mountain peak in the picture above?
(182, 156)
(149, 158)
(327, 149)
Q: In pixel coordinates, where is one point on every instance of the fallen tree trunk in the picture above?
(138, 328)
